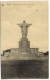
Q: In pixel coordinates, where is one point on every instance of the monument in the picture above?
(23, 52)
(24, 44)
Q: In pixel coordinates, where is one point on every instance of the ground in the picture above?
(24, 69)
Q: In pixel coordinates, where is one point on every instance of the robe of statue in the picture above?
(24, 31)
(24, 27)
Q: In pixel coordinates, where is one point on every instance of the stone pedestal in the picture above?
(24, 45)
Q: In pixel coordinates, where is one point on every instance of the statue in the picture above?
(24, 26)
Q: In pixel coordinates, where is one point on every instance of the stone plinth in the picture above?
(24, 45)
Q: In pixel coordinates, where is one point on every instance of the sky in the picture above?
(35, 13)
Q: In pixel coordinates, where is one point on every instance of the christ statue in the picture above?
(24, 27)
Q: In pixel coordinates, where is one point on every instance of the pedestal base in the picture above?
(24, 45)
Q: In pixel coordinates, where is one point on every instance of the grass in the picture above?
(24, 69)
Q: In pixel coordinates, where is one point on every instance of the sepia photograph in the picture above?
(24, 40)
